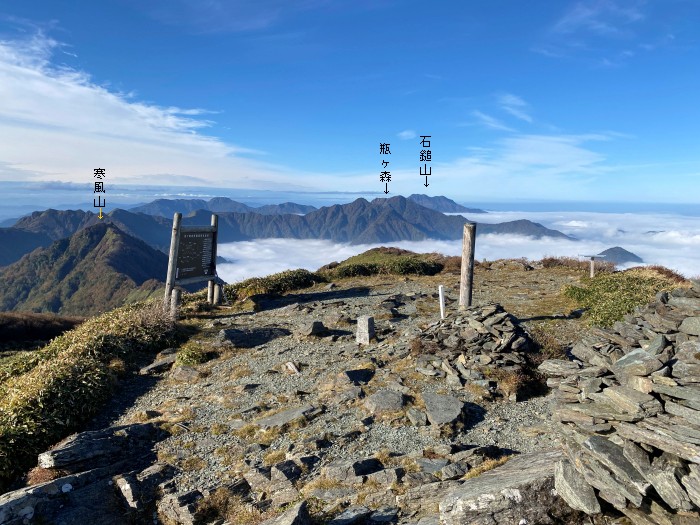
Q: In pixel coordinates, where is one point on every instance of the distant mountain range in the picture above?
(442, 204)
(168, 207)
(96, 269)
(359, 222)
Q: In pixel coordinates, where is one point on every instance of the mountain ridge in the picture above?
(442, 204)
(168, 207)
(95, 269)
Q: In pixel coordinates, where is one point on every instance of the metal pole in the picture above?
(441, 293)
(172, 260)
(215, 225)
(467, 276)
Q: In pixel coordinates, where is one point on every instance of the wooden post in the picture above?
(467, 276)
(175, 304)
(215, 225)
(172, 260)
(441, 293)
(593, 258)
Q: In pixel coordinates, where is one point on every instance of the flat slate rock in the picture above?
(158, 366)
(285, 417)
(384, 401)
(572, 486)
(442, 409)
(353, 515)
(520, 491)
(559, 367)
(638, 362)
(296, 515)
(690, 326)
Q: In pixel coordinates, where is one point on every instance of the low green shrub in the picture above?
(609, 296)
(191, 353)
(277, 283)
(354, 270)
(386, 261)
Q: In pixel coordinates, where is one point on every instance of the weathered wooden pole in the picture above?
(172, 260)
(215, 227)
(441, 293)
(175, 304)
(593, 258)
(467, 276)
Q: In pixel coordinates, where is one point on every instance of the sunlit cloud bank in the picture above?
(672, 241)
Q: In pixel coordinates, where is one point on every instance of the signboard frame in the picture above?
(172, 277)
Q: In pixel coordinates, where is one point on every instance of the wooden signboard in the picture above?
(195, 254)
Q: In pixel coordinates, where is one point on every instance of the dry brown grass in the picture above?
(273, 457)
(453, 264)
(41, 475)
(576, 264)
(321, 482)
(193, 463)
(487, 465)
(222, 504)
(246, 432)
(241, 370)
(218, 429)
(479, 392)
(656, 270)
(545, 337)
(369, 487)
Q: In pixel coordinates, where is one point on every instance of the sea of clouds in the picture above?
(669, 240)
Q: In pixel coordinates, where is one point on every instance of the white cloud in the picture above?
(677, 246)
(514, 105)
(407, 134)
(491, 122)
(80, 125)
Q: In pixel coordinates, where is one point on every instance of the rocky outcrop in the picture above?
(628, 411)
(113, 470)
(521, 491)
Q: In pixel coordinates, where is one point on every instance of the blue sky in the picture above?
(583, 100)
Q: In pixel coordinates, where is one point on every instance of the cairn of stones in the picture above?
(627, 408)
(479, 345)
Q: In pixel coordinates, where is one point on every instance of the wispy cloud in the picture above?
(239, 16)
(490, 122)
(514, 105)
(407, 134)
(602, 17)
(607, 33)
(80, 125)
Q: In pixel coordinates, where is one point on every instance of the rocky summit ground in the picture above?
(289, 407)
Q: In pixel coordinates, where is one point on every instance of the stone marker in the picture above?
(365, 329)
